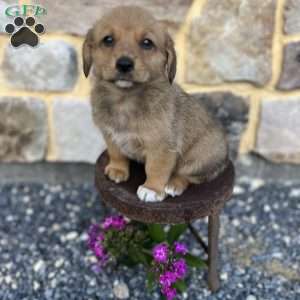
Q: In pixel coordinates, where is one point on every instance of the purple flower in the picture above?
(169, 292)
(100, 237)
(180, 268)
(180, 248)
(116, 222)
(93, 233)
(119, 223)
(99, 250)
(93, 230)
(167, 279)
(160, 253)
(107, 223)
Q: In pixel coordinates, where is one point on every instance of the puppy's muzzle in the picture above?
(124, 65)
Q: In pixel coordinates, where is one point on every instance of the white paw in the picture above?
(173, 191)
(117, 180)
(148, 195)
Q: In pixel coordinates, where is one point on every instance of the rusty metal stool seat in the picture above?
(198, 201)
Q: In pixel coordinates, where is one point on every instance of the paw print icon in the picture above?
(24, 32)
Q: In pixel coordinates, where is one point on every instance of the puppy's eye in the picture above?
(108, 41)
(147, 44)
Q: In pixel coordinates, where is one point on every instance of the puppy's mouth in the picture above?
(124, 83)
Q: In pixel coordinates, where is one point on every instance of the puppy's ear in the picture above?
(87, 53)
(171, 64)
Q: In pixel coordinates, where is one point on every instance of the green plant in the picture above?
(131, 243)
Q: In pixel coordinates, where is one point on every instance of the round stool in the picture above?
(198, 201)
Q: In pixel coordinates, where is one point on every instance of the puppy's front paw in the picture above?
(173, 191)
(116, 174)
(148, 195)
(176, 186)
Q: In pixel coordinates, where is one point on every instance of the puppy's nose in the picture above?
(124, 64)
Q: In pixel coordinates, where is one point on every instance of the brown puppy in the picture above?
(141, 113)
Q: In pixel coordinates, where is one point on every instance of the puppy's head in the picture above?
(128, 47)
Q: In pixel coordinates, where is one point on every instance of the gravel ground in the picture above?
(43, 253)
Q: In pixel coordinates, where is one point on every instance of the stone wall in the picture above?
(240, 57)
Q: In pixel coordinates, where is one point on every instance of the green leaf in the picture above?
(150, 281)
(175, 232)
(156, 232)
(194, 261)
(127, 261)
(148, 256)
(137, 255)
(180, 286)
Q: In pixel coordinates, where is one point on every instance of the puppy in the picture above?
(142, 114)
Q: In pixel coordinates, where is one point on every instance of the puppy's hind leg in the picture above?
(176, 185)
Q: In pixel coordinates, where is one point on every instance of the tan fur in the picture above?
(154, 121)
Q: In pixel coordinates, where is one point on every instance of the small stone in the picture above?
(9, 218)
(59, 263)
(84, 237)
(253, 220)
(251, 297)
(26, 199)
(51, 275)
(92, 282)
(8, 279)
(277, 255)
(287, 240)
(50, 67)
(120, 290)
(8, 266)
(55, 227)
(224, 276)
(196, 251)
(71, 236)
(29, 211)
(267, 208)
(14, 286)
(53, 283)
(41, 229)
(295, 193)
(36, 285)
(256, 183)
(91, 259)
(236, 223)
(38, 266)
(238, 190)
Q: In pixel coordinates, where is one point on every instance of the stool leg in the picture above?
(213, 236)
